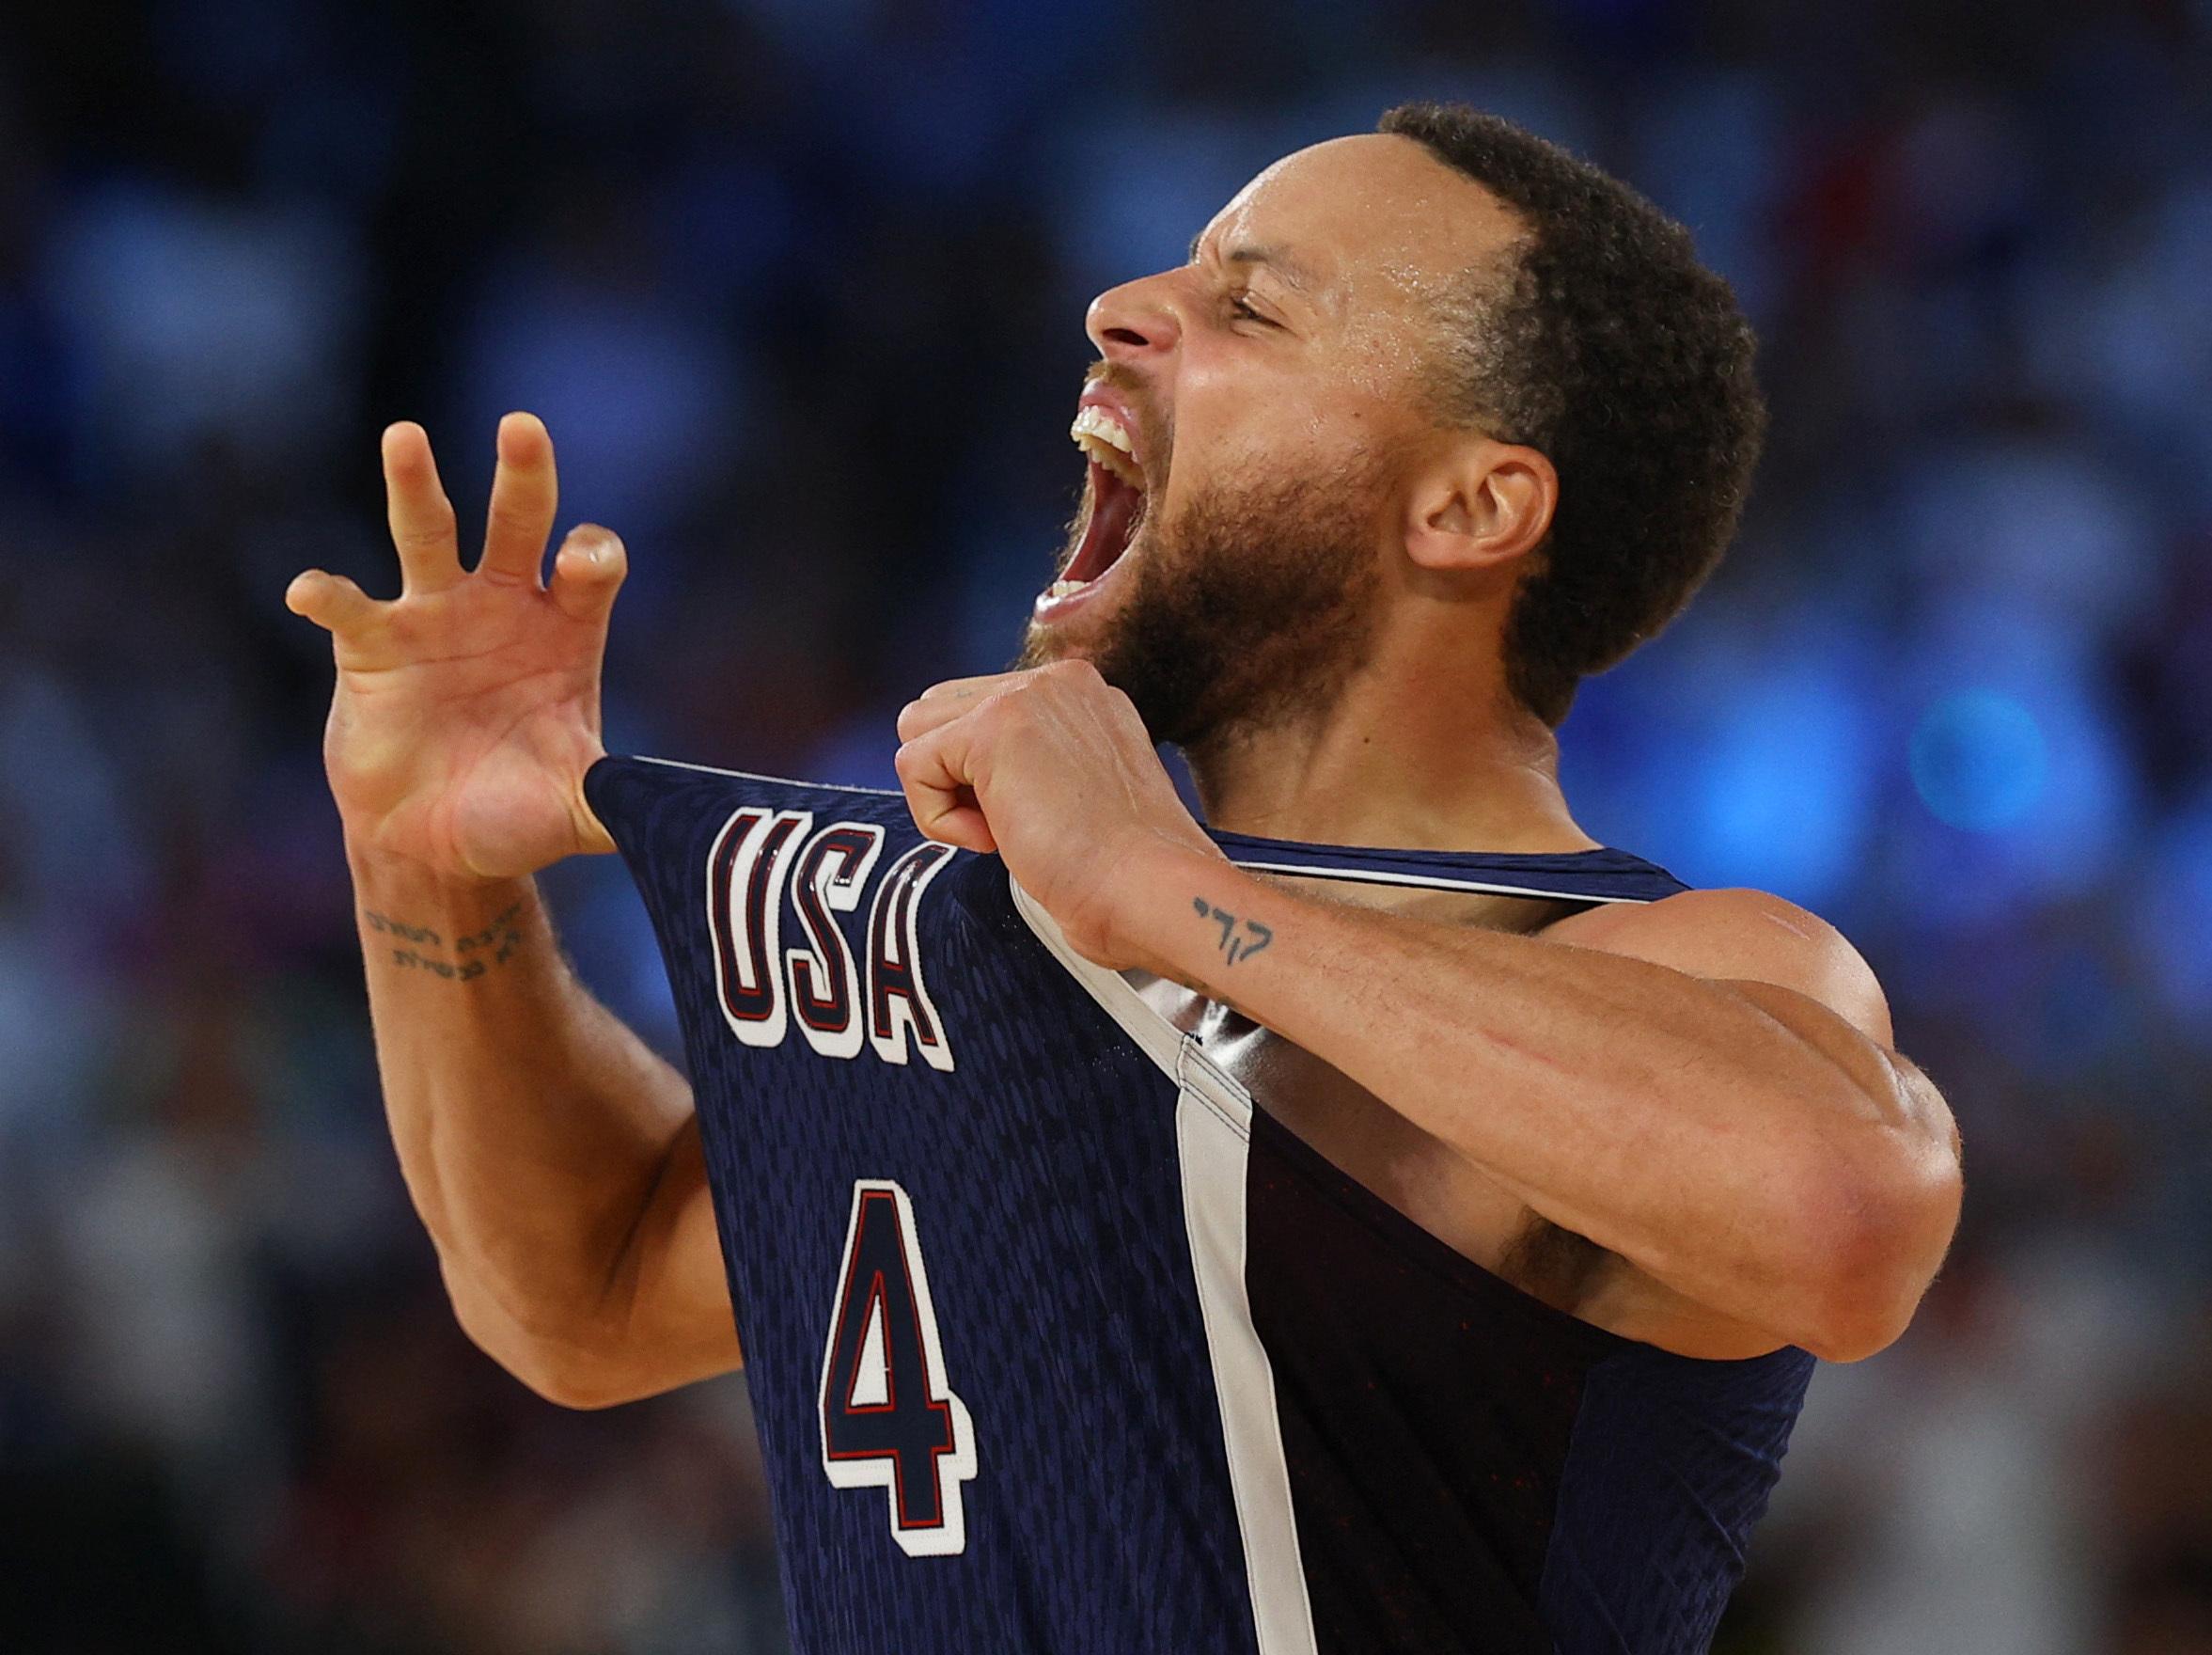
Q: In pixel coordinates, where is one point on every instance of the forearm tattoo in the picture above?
(474, 954)
(1240, 939)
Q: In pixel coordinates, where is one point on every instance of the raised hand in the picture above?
(467, 708)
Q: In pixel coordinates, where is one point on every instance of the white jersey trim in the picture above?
(1425, 881)
(755, 775)
(1213, 1137)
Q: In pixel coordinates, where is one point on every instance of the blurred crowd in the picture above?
(798, 286)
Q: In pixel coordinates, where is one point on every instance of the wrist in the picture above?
(382, 879)
(1182, 899)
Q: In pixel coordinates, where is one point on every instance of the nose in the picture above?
(1135, 323)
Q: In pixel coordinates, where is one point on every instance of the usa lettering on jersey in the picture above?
(764, 863)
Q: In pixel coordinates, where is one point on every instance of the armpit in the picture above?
(1552, 1264)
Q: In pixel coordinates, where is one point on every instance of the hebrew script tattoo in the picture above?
(1240, 939)
(475, 954)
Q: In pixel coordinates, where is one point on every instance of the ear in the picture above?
(1483, 504)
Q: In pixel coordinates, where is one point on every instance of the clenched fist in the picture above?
(1053, 769)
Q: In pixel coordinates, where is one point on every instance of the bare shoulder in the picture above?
(1737, 935)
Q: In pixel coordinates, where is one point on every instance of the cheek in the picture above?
(1248, 417)
(1263, 425)
(1283, 440)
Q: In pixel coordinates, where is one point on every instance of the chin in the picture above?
(1043, 644)
(1083, 630)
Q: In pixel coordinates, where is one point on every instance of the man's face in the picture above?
(1251, 428)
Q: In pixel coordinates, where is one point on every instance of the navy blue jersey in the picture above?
(1057, 1342)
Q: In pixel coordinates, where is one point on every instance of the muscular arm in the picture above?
(552, 1156)
(1702, 1086)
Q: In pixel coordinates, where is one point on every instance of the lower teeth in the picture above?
(1062, 589)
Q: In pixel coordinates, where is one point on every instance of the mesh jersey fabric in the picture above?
(1462, 1468)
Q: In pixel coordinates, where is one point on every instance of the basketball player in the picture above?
(1145, 1237)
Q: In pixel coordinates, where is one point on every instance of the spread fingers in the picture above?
(524, 494)
(331, 601)
(420, 515)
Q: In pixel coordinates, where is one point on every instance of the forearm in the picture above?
(532, 1124)
(1671, 1119)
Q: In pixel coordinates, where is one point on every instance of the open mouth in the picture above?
(1113, 500)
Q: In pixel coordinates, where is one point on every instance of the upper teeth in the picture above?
(1099, 434)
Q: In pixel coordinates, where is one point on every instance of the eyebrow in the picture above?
(1276, 258)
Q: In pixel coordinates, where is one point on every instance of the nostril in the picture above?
(1127, 336)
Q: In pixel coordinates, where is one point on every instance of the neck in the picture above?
(1409, 761)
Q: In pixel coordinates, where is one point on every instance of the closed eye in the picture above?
(1243, 308)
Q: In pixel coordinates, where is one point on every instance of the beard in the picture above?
(1248, 610)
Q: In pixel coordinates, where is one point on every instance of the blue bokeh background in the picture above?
(798, 284)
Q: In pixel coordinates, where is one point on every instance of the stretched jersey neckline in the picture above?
(1440, 869)
(1506, 873)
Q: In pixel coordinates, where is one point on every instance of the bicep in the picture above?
(1788, 963)
(1805, 978)
(1741, 939)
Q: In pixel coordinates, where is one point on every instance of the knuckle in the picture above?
(430, 531)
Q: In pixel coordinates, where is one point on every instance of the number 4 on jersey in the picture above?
(889, 1419)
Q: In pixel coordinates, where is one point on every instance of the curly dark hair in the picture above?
(1607, 346)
